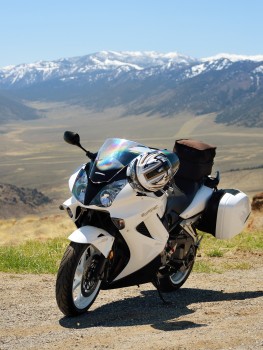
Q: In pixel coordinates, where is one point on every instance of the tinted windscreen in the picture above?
(113, 156)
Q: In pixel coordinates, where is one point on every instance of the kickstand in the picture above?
(157, 285)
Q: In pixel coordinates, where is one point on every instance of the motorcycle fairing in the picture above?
(133, 210)
(143, 249)
(144, 275)
(98, 237)
(71, 204)
(198, 203)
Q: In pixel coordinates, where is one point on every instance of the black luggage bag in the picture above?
(196, 159)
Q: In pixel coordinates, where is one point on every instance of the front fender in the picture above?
(98, 237)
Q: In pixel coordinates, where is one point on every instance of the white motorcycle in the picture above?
(137, 211)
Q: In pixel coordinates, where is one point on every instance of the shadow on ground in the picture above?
(148, 309)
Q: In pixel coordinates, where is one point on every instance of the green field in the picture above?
(34, 256)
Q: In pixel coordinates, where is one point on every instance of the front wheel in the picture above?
(78, 281)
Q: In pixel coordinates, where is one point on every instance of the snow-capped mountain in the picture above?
(111, 62)
(148, 82)
(105, 62)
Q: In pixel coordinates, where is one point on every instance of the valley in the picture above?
(34, 155)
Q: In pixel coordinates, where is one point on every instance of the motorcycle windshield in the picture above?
(112, 157)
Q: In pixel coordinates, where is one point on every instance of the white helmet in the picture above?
(151, 171)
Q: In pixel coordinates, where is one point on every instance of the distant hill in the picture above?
(147, 82)
(11, 109)
(19, 201)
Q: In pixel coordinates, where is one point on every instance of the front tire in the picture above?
(78, 282)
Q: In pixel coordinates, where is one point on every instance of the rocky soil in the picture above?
(257, 201)
(211, 311)
(20, 201)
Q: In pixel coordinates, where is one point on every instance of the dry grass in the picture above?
(17, 231)
(255, 221)
(14, 232)
(36, 244)
(242, 252)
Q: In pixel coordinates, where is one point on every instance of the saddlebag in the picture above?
(226, 213)
(196, 158)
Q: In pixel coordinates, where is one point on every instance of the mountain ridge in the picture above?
(148, 82)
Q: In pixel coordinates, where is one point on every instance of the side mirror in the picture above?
(72, 138)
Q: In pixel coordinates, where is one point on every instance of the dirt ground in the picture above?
(211, 311)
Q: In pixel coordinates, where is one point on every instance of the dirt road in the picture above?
(211, 311)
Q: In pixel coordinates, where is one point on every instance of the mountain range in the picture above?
(142, 82)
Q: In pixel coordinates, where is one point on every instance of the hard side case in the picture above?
(226, 213)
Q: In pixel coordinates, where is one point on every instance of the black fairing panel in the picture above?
(185, 190)
(94, 188)
(144, 275)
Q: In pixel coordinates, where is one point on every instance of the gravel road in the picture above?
(211, 311)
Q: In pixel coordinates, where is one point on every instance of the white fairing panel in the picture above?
(143, 249)
(232, 214)
(129, 204)
(198, 203)
(135, 209)
(100, 238)
(71, 203)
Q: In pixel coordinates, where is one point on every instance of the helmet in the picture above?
(151, 171)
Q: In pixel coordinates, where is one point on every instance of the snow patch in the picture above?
(233, 57)
(259, 69)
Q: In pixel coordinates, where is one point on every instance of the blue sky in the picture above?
(32, 30)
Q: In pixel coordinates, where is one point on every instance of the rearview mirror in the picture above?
(72, 138)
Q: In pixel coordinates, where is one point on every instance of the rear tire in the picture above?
(173, 280)
(78, 283)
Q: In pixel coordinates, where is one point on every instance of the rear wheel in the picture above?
(78, 281)
(173, 279)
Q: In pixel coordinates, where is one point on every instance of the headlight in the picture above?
(80, 186)
(107, 195)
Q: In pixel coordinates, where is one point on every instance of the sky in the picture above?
(32, 30)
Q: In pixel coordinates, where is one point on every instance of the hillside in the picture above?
(147, 82)
(19, 201)
(12, 109)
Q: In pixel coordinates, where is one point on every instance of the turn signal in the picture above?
(70, 214)
(119, 223)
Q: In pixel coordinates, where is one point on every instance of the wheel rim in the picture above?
(85, 283)
(179, 276)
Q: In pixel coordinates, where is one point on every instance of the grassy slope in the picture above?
(36, 245)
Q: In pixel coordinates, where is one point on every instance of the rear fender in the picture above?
(98, 237)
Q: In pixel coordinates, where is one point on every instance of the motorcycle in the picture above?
(138, 213)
